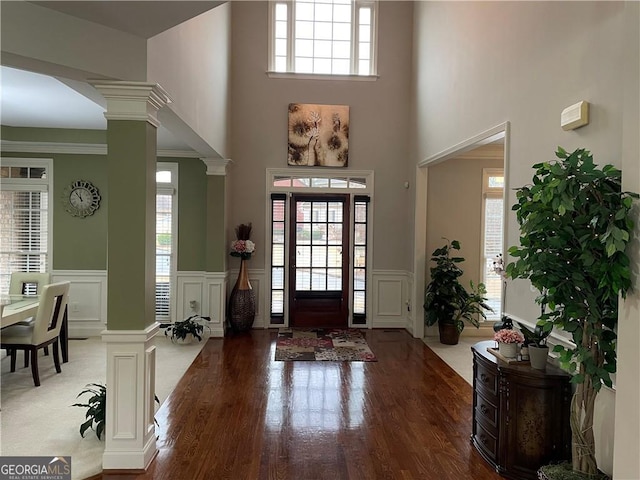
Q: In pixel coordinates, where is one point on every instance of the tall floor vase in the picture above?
(242, 302)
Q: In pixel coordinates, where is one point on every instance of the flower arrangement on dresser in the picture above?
(508, 341)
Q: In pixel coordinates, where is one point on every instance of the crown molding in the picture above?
(216, 166)
(133, 100)
(80, 149)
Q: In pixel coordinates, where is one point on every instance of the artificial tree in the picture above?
(574, 227)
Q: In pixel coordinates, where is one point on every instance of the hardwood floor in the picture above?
(239, 415)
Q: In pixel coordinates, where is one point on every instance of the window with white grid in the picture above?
(24, 217)
(334, 37)
(492, 221)
(166, 229)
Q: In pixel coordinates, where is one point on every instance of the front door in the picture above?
(319, 261)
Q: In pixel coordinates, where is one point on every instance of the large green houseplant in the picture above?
(574, 227)
(447, 302)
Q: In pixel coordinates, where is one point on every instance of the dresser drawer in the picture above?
(487, 442)
(486, 412)
(487, 380)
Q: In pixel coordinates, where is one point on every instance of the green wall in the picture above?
(81, 243)
(215, 232)
(78, 243)
(192, 212)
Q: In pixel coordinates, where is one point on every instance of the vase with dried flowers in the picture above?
(242, 300)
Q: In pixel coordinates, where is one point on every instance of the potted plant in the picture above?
(575, 225)
(508, 341)
(446, 301)
(96, 409)
(185, 331)
(536, 342)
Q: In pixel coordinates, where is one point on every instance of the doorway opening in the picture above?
(471, 148)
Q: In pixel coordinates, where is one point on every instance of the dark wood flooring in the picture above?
(239, 415)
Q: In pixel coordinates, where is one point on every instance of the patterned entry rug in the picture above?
(322, 344)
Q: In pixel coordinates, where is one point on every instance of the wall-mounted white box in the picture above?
(575, 116)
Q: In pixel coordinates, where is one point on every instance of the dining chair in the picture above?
(28, 283)
(44, 330)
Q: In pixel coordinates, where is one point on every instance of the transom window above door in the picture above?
(326, 37)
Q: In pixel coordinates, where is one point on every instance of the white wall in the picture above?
(379, 127)
(45, 41)
(479, 64)
(191, 62)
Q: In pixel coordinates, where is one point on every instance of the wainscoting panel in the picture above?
(215, 302)
(207, 291)
(87, 306)
(190, 287)
(391, 299)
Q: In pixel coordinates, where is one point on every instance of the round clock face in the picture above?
(81, 198)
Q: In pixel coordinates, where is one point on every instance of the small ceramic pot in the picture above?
(509, 350)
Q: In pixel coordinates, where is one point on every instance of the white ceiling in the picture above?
(30, 99)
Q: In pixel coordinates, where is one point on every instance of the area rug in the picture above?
(322, 344)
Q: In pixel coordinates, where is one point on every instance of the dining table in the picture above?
(17, 308)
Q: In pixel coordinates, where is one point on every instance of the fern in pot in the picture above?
(186, 330)
(96, 406)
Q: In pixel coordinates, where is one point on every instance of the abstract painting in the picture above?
(318, 135)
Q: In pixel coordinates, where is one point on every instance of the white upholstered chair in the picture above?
(28, 283)
(43, 331)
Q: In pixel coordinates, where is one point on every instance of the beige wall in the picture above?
(191, 61)
(479, 64)
(626, 463)
(455, 210)
(379, 126)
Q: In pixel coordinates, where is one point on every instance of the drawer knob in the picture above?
(484, 409)
(484, 377)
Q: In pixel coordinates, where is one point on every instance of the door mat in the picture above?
(322, 344)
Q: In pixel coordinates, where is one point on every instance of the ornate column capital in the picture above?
(133, 100)
(216, 166)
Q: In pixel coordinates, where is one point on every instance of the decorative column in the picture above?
(131, 355)
(216, 254)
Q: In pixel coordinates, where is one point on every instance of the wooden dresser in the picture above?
(520, 415)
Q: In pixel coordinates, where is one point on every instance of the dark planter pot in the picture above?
(449, 334)
(242, 302)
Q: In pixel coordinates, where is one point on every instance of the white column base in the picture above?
(130, 429)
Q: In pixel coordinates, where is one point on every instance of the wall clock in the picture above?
(81, 198)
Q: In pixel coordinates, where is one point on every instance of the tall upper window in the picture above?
(166, 230)
(492, 214)
(24, 217)
(334, 37)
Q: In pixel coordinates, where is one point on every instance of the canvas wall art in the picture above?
(318, 135)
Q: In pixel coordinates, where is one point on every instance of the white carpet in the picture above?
(41, 421)
(458, 357)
